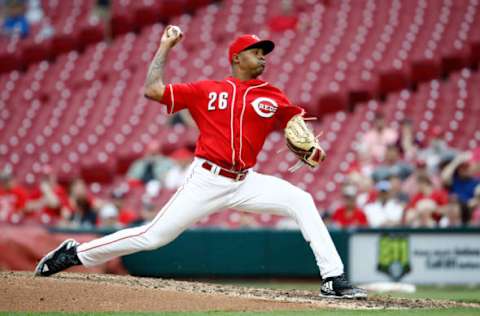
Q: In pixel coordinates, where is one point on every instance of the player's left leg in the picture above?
(201, 194)
(263, 193)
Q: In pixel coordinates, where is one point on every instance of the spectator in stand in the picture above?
(34, 12)
(437, 151)
(426, 191)
(407, 143)
(375, 141)
(410, 185)
(392, 165)
(397, 190)
(476, 161)
(37, 19)
(152, 167)
(459, 177)
(84, 205)
(452, 214)
(365, 190)
(49, 203)
(423, 214)
(474, 205)
(363, 166)
(108, 216)
(384, 211)
(13, 198)
(114, 213)
(176, 175)
(349, 214)
(102, 10)
(15, 21)
(147, 213)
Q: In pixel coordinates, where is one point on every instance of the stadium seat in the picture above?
(78, 102)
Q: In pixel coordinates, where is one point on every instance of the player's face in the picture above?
(252, 61)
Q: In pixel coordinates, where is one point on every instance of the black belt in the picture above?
(237, 176)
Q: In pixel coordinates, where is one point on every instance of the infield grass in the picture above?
(324, 312)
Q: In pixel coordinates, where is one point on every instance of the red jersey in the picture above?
(53, 213)
(344, 218)
(12, 201)
(234, 117)
(439, 196)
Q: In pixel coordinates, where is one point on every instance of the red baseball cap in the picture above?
(248, 41)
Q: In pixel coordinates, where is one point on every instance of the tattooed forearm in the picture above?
(155, 71)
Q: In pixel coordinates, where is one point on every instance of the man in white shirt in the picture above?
(385, 211)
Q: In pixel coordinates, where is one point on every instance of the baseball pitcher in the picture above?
(234, 117)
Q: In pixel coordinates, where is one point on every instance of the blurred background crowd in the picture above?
(395, 181)
(116, 165)
(398, 180)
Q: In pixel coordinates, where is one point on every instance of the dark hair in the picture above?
(424, 179)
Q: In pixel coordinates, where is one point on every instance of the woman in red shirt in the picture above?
(349, 215)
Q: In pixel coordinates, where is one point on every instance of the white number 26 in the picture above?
(222, 100)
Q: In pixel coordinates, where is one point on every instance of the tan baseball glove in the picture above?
(303, 143)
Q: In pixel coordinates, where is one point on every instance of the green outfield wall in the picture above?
(232, 253)
(369, 254)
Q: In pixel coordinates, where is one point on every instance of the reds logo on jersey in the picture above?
(265, 107)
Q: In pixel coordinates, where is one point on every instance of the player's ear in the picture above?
(235, 59)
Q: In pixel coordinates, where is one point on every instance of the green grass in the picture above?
(414, 312)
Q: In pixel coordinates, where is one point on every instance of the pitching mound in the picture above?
(73, 292)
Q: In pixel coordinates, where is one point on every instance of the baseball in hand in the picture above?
(174, 31)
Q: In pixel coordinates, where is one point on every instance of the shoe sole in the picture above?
(348, 297)
(38, 270)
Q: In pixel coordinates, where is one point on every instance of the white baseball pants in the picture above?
(205, 192)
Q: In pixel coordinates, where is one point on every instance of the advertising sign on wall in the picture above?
(418, 258)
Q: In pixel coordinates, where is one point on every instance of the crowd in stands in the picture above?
(398, 180)
(19, 17)
(77, 205)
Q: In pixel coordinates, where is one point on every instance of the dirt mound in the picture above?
(73, 292)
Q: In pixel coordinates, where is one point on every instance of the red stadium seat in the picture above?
(88, 102)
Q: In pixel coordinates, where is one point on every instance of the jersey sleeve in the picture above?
(179, 96)
(286, 111)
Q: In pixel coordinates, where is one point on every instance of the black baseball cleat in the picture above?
(339, 287)
(59, 259)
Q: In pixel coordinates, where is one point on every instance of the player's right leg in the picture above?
(263, 193)
(201, 195)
